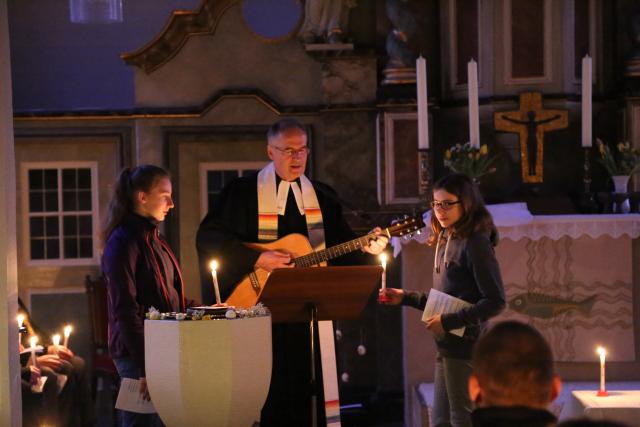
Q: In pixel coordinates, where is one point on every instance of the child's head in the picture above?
(458, 206)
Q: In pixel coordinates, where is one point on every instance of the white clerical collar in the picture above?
(283, 194)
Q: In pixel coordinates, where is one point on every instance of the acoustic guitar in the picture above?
(247, 292)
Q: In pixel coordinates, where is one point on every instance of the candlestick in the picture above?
(474, 122)
(214, 275)
(382, 296)
(56, 343)
(423, 104)
(587, 82)
(67, 332)
(602, 352)
(33, 341)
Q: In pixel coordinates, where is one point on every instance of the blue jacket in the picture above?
(135, 282)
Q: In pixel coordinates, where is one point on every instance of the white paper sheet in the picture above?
(129, 398)
(441, 303)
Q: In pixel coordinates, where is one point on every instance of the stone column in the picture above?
(10, 398)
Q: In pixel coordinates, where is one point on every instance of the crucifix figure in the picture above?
(531, 122)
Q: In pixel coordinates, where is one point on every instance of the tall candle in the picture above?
(474, 121)
(423, 104)
(56, 343)
(214, 275)
(587, 82)
(67, 332)
(383, 261)
(33, 341)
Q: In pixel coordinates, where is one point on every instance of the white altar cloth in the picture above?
(622, 406)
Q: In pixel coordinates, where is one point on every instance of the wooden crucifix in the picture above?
(531, 122)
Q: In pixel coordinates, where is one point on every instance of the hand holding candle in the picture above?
(67, 332)
(33, 341)
(382, 295)
(56, 343)
(214, 275)
(602, 352)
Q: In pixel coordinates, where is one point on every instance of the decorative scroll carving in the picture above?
(181, 25)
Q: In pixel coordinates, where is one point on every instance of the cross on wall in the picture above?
(531, 122)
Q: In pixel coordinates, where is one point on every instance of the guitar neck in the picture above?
(315, 258)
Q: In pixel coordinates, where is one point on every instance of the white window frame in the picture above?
(221, 166)
(95, 213)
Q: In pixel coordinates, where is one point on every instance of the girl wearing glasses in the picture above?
(465, 267)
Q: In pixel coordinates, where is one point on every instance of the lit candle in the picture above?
(587, 82)
(474, 122)
(383, 261)
(56, 343)
(33, 341)
(67, 332)
(423, 104)
(214, 266)
(602, 352)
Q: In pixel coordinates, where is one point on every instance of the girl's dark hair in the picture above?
(475, 216)
(130, 181)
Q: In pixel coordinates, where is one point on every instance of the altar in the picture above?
(571, 276)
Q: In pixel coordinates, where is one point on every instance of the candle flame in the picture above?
(20, 320)
(67, 330)
(213, 265)
(56, 339)
(383, 258)
(601, 351)
(33, 340)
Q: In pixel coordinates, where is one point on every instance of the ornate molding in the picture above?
(181, 25)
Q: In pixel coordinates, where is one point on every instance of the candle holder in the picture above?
(425, 173)
(588, 203)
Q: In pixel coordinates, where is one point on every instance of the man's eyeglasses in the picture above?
(445, 205)
(290, 152)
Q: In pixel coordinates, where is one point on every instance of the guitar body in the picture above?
(248, 290)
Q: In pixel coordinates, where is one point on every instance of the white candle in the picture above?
(423, 104)
(214, 275)
(602, 352)
(67, 332)
(56, 343)
(474, 121)
(383, 261)
(587, 82)
(20, 322)
(33, 341)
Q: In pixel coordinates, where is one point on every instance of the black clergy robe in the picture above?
(234, 220)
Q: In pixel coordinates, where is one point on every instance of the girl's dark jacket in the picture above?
(135, 283)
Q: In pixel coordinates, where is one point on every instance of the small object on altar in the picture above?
(207, 317)
(196, 314)
(154, 314)
(230, 314)
(181, 316)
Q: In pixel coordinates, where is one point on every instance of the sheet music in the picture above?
(129, 398)
(442, 303)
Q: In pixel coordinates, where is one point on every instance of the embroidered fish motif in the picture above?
(547, 306)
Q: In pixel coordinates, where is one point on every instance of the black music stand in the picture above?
(318, 293)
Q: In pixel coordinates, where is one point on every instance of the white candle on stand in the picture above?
(33, 341)
(474, 121)
(383, 261)
(423, 104)
(214, 275)
(587, 82)
(67, 332)
(602, 352)
(20, 322)
(56, 343)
